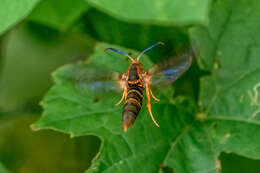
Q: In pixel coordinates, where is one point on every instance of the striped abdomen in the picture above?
(132, 106)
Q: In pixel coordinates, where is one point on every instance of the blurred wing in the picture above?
(97, 81)
(167, 72)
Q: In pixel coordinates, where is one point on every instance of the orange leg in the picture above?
(153, 95)
(123, 96)
(147, 80)
(147, 90)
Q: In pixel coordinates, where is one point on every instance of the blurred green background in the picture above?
(56, 32)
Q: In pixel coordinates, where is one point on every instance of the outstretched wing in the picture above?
(97, 81)
(167, 72)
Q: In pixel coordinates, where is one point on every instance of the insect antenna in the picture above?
(156, 44)
(121, 52)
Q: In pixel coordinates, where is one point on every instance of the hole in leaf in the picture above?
(232, 163)
(167, 169)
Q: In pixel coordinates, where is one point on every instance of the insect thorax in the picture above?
(133, 73)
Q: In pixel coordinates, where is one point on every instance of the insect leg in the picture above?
(149, 104)
(124, 95)
(158, 100)
(122, 83)
(147, 81)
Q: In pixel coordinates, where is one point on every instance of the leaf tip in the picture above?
(34, 128)
(72, 135)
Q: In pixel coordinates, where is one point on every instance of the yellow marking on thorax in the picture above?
(134, 82)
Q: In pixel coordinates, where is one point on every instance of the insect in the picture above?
(136, 81)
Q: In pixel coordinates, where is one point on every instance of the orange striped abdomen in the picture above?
(132, 106)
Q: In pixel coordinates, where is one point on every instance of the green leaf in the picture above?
(11, 12)
(185, 142)
(78, 113)
(231, 54)
(228, 120)
(229, 99)
(169, 12)
(58, 14)
(3, 169)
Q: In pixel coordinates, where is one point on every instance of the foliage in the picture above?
(164, 12)
(193, 132)
(13, 11)
(58, 14)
